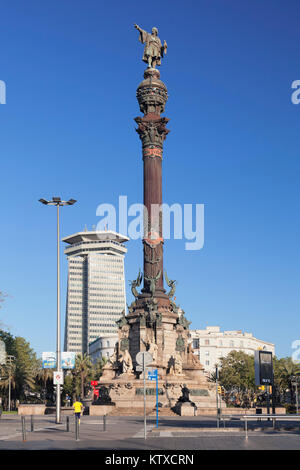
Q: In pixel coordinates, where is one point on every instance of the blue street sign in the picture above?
(152, 374)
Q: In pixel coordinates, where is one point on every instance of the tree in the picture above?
(26, 366)
(23, 369)
(97, 368)
(8, 374)
(44, 377)
(237, 371)
(2, 297)
(82, 372)
(284, 369)
(69, 385)
(9, 342)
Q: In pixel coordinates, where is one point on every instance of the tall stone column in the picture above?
(152, 96)
(154, 322)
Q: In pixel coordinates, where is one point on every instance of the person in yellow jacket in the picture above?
(78, 408)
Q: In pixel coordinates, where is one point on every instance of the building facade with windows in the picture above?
(103, 347)
(96, 293)
(211, 344)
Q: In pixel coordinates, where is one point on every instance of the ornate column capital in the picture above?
(153, 133)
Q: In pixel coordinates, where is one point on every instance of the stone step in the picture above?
(133, 411)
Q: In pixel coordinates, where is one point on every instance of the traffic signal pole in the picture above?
(217, 398)
(145, 422)
(268, 400)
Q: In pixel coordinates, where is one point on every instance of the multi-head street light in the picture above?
(56, 201)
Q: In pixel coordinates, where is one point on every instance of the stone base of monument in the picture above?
(101, 410)
(155, 326)
(31, 409)
(128, 394)
(185, 409)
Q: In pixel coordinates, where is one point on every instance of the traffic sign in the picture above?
(152, 374)
(144, 357)
(58, 378)
(140, 369)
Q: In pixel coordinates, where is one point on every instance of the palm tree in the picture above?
(98, 368)
(42, 376)
(284, 370)
(83, 367)
(8, 376)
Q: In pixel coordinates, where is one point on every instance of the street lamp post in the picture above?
(56, 201)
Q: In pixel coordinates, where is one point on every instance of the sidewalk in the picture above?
(173, 433)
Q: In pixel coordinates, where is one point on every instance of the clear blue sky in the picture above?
(72, 68)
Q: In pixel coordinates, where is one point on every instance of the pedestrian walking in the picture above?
(78, 408)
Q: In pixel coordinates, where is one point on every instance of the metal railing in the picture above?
(259, 417)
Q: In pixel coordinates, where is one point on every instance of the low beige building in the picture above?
(211, 344)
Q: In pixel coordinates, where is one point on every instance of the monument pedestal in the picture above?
(128, 396)
(185, 409)
(101, 410)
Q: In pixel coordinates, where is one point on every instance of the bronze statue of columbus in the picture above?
(154, 50)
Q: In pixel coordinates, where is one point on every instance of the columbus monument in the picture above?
(154, 322)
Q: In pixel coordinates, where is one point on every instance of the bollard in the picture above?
(68, 423)
(104, 422)
(218, 417)
(23, 428)
(246, 428)
(31, 423)
(76, 428)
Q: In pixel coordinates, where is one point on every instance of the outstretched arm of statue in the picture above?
(143, 34)
(137, 27)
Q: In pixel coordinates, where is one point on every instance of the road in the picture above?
(127, 433)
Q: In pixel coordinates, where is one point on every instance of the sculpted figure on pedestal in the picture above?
(185, 397)
(171, 284)
(152, 348)
(154, 50)
(126, 362)
(136, 283)
(192, 359)
(113, 359)
(175, 365)
(152, 283)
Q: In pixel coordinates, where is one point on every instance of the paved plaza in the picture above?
(127, 433)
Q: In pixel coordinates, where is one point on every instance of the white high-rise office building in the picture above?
(96, 293)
